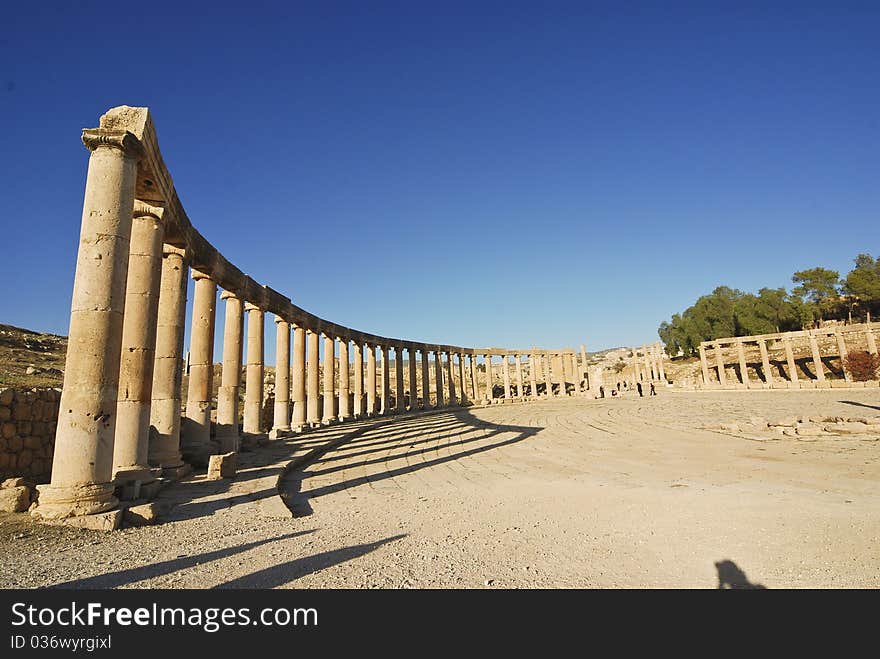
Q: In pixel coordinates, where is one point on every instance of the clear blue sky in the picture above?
(466, 173)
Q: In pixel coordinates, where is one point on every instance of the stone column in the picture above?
(399, 402)
(841, 347)
(329, 375)
(196, 440)
(704, 364)
(358, 379)
(719, 359)
(817, 359)
(281, 417)
(164, 449)
(438, 378)
(505, 374)
(520, 386)
(132, 436)
(344, 405)
(426, 381)
(299, 378)
(743, 367)
(475, 386)
(82, 467)
(450, 376)
(371, 380)
(462, 380)
(869, 335)
(548, 379)
(385, 398)
(253, 384)
(413, 393)
(533, 375)
(661, 353)
(649, 365)
(313, 412)
(230, 376)
(789, 357)
(560, 372)
(583, 372)
(489, 381)
(637, 368)
(765, 362)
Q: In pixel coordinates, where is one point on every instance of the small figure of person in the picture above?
(639, 388)
(601, 391)
(653, 391)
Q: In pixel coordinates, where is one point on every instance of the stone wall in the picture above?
(27, 432)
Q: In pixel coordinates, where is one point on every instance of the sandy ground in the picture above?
(616, 493)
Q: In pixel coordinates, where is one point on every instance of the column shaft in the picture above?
(344, 391)
(281, 417)
(196, 440)
(461, 380)
(371, 380)
(386, 381)
(548, 380)
(743, 367)
(719, 358)
(253, 386)
(817, 358)
(411, 358)
(765, 362)
(533, 375)
(475, 386)
(358, 379)
(789, 358)
(329, 376)
(505, 373)
(426, 381)
(487, 360)
(299, 378)
(399, 402)
(313, 411)
(230, 376)
(438, 378)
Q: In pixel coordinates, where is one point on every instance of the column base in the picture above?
(132, 473)
(60, 502)
(176, 472)
(275, 433)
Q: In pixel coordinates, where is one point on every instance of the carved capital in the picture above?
(227, 295)
(198, 274)
(143, 209)
(250, 306)
(169, 250)
(123, 140)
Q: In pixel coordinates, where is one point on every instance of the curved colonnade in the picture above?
(120, 427)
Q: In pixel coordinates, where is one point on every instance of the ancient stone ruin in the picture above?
(120, 433)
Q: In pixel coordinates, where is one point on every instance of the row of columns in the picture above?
(791, 365)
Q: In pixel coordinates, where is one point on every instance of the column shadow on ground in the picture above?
(731, 577)
(852, 402)
(413, 438)
(133, 575)
(279, 575)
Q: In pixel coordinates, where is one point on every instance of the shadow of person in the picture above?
(730, 577)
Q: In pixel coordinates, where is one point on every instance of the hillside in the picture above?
(31, 359)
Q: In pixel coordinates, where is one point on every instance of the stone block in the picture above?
(14, 444)
(32, 442)
(13, 482)
(5, 414)
(143, 514)
(222, 466)
(8, 430)
(108, 521)
(846, 428)
(150, 490)
(809, 429)
(789, 421)
(24, 428)
(15, 499)
(21, 412)
(6, 397)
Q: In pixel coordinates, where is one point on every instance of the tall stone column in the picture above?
(719, 359)
(230, 376)
(548, 379)
(533, 374)
(558, 365)
(489, 380)
(649, 365)
(869, 335)
(371, 380)
(344, 406)
(583, 372)
(765, 362)
(475, 385)
(253, 383)
(132, 437)
(438, 378)
(505, 374)
(704, 364)
(841, 347)
(743, 367)
(358, 379)
(299, 378)
(817, 359)
(82, 467)
(329, 376)
(399, 402)
(281, 416)
(661, 353)
(789, 357)
(164, 449)
(426, 381)
(450, 376)
(462, 380)
(413, 393)
(520, 385)
(385, 397)
(637, 367)
(196, 440)
(313, 411)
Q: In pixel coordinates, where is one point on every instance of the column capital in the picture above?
(279, 320)
(168, 250)
(125, 141)
(226, 295)
(250, 306)
(143, 209)
(198, 274)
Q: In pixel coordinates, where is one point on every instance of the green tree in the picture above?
(863, 282)
(818, 287)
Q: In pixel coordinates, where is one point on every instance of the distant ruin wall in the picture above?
(27, 432)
